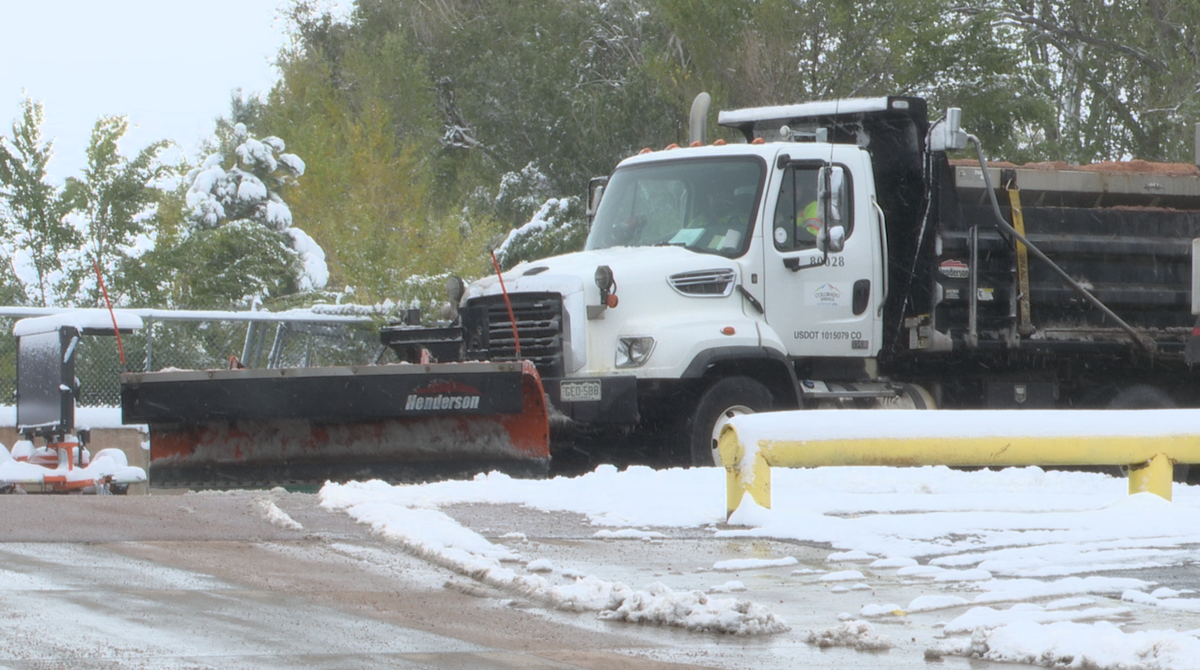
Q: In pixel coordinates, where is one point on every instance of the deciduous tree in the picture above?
(113, 202)
(35, 232)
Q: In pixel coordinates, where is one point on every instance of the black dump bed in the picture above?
(1124, 231)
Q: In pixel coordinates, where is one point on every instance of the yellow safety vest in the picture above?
(812, 220)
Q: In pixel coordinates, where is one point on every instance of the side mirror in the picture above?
(596, 187)
(837, 239)
(947, 134)
(831, 199)
(831, 194)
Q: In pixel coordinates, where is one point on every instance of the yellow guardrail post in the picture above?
(1153, 476)
(748, 465)
(741, 477)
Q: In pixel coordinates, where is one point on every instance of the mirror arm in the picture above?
(793, 263)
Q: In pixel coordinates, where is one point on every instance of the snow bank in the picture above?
(930, 603)
(432, 535)
(1098, 646)
(1164, 598)
(695, 611)
(842, 576)
(1033, 531)
(987, 617)
(271, 512)
(853, 634)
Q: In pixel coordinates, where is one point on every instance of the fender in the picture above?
(781, 375)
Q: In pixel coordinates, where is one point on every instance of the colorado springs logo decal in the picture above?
(825, 294)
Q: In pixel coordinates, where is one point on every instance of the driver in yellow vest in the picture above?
(792, 219)
(810, 219)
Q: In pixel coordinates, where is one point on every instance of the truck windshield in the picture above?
(706, 205)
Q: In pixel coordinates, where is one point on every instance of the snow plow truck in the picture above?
(835, 258)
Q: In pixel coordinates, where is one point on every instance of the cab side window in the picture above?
(796, 220)
(801, 207)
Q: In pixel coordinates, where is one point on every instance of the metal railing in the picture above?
(1149, 441)
(201, 340)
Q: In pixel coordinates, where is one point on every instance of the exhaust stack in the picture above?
(698, 119)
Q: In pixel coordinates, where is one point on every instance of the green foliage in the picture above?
(1110, 81)
(363, 114)
(113, 199)
(34, 210)
(227, 265)
(565, 85)
(61, 234)
(431, 130)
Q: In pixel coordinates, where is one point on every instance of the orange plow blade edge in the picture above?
(398, 423)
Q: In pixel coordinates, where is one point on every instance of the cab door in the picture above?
(821, 270)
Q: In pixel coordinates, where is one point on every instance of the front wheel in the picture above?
(727, 398)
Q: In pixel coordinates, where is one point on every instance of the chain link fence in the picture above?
(186, 342)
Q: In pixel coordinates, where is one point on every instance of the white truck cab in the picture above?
(716, 280)
(711, 263)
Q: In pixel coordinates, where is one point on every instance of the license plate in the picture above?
(583, 390)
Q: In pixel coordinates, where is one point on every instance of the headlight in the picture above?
(633, 352)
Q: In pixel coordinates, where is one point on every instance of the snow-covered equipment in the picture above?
(403, 422)
(46, 392)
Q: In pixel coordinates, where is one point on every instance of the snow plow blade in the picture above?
(398, 423)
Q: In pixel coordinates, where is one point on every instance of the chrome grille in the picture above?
(708, 283)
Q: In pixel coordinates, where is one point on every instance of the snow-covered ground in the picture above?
(1024, 565)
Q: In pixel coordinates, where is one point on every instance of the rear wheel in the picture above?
(1147, 397)
(727, 398)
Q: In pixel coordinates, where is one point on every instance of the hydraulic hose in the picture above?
(1138, 338)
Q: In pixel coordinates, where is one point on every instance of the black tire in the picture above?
(1148, 397)
(727, 397)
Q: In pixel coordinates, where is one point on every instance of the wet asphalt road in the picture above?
(206, 581)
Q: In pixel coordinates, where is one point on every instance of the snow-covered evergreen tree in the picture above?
(559, 226)
(240, 237)
(247, 191)
(543, 225)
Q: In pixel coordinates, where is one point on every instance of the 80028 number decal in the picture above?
(831, 261)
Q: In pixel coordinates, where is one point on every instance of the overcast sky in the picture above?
(169, 65)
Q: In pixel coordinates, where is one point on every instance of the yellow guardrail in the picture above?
(1148, 441)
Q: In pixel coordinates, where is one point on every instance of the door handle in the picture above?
(861, 295)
